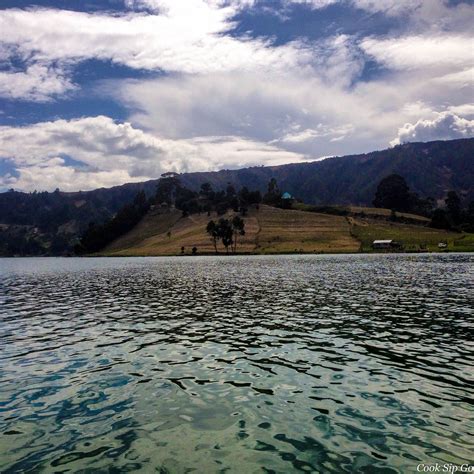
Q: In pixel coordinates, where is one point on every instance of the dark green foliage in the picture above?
(97, 237)
(468, 225)
(440, 219)
(213, 231)
(453, 216)
(393, 193)
(238, 228)
(51, 223)
(226, 231)
(430, 169)
(273, 194)
(453, 208)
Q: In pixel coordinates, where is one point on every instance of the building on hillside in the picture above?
(386, 245)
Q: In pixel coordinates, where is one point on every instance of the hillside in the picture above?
(268, 230)
(49, 223)
(272, 230)
(430, 169)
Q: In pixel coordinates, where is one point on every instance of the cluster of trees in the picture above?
(394, 193)
(454, 216)
(51, 223)
(170, 191)
(97, 236)
(227, 231)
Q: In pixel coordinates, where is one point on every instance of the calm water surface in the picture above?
(325, 364)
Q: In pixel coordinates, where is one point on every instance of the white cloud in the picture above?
(426, 51)
(185, 38)
(38, 83)
(309, 134)
(445, 126)
(389, 7)
(112, 153)
(228, 101)
(314, 4)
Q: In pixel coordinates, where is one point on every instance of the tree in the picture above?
(453, 208)
(213, 231)
(167, 188)
(223, 231)
(440, 219)
(273, 195)
(468, 225)
(206, 190)
(238, 228)
(393, 193)
(226, 233)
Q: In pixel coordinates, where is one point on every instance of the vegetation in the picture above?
(227, 231)
(453, 216)
(98, 236)
(51, 223)
(412, 237)
(267, 230)
(393, 193)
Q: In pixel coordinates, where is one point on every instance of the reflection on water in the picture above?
(241, 364)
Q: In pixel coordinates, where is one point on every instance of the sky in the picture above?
(100, 93)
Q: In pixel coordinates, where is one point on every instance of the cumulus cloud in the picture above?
(107, 153)
(189, 38)
(445, 126)
(38, 83)
(303, 113)
(226, 100)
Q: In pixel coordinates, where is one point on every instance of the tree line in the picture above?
(170, 192)
(98, 236)
(394, 193)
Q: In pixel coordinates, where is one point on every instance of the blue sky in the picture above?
(99, 93)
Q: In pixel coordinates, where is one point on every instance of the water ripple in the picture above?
(245, 364)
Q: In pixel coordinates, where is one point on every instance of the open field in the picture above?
(359, 210)
(413, 237)
(267, 230)
(376, 211)
(272, 230)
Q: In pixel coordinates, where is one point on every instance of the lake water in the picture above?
(332, 364)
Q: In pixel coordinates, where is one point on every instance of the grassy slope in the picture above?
(414, 237)
(268, 230)
(272, 230)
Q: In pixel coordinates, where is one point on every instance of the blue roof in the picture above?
(286, 196)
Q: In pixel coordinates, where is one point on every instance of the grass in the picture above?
(271, 230)
(375, 211)
(267, 230)
(413, 237)
(358, 210)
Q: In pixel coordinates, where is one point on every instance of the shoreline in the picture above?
(243, 254)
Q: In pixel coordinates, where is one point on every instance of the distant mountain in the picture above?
(36, 223)
(430, 169)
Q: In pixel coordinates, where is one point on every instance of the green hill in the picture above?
(273, 230)
(46, 223)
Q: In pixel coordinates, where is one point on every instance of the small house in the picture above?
(385, 245)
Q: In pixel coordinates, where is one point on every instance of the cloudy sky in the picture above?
(99, 93)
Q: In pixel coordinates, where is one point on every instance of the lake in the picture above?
(332, 364)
